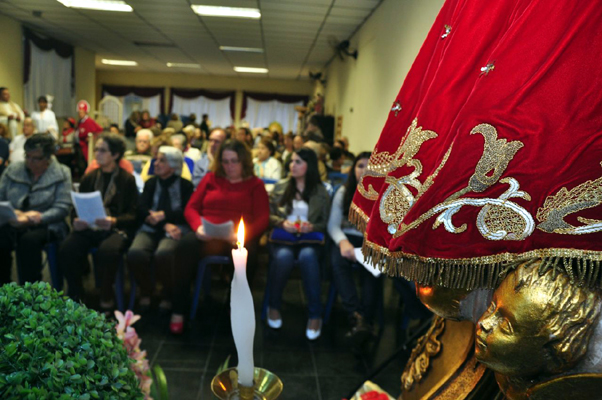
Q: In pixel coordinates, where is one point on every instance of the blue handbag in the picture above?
(281, 236)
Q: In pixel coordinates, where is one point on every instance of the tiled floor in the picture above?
(326, 369)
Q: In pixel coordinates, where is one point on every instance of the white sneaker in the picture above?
(312, 334)
(274, 323)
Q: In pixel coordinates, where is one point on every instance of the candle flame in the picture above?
(241, 234)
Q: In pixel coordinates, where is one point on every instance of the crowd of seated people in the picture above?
(159, 196)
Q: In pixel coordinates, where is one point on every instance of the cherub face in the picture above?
(512, 333)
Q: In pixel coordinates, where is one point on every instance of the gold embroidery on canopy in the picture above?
(566, 202)
(382, 163)
(499, 218)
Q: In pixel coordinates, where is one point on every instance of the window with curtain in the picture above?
(260, 114)
(135, 98)
(261, 109)
(132, 102)
(219, 106)
(48, 71)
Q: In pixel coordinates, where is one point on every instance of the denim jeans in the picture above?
(283, 261)
(343, 273)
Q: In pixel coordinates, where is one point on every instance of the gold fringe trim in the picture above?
(358, 218)
(583, 267)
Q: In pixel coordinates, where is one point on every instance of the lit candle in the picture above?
(242, 312)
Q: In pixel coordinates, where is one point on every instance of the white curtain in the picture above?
(132, 102)
(217, 110)
(260, 114)
(50, 75)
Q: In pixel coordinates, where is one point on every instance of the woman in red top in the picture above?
(229, 192)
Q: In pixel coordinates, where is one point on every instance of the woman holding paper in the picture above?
(347, 238)
(161, 212)
(38, 191)
(111, 235)
(226, 194)
(299, 209)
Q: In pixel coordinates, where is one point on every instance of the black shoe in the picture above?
(360, 331)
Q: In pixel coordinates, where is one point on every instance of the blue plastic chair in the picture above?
(200, 275)
(56, 278)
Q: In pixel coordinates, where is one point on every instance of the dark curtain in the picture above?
(283, 98)
(194, 93)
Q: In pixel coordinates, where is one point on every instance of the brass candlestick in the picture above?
(267, 386)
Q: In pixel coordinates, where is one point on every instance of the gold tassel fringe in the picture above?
(486, 272)
(358, 218)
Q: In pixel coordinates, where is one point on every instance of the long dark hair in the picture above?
(312, 178)
(352, 182)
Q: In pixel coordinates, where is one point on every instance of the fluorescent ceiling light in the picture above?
(124, 63)
(233, 12)
(183, 65)
(245, 49)
(102, 5)
(251, 70)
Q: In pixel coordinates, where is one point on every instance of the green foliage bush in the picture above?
(54, 348)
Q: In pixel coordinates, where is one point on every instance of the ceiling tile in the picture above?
(297, 36)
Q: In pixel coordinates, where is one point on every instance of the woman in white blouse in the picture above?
(344, 264)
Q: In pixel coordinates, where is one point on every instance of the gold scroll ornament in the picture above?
(428, 346)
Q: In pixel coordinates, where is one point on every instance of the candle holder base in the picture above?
(225, 386)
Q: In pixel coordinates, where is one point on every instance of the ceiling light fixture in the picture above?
(183, 65)
(244, 49)
(100, 5)
(251, 70)
(232, 12)
(123, 63)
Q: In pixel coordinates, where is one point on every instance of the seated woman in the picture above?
(229, 192)
(113, 233)
(266, 166)
(148, 169)
(347, 238)
(38, 189)
(299, 204)
(161, 209)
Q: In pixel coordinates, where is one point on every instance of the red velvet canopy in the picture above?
(491, 153)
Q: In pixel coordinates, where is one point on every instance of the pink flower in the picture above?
(125, 321)
(131, 342)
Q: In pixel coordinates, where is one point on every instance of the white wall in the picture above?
(363, 90)
(85, 76)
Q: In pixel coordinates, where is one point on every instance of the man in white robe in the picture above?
(45, 119)
(10, 112)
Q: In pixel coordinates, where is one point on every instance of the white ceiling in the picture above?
(296, 35)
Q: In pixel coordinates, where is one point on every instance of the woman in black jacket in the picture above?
(113, 233)
(161, 212)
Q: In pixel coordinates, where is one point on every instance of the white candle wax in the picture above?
(242, 315)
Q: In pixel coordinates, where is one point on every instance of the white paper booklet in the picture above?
(369, 267)
(218, 231)
(7, 212)
(88, 206)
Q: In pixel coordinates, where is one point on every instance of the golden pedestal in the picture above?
(443, 366)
